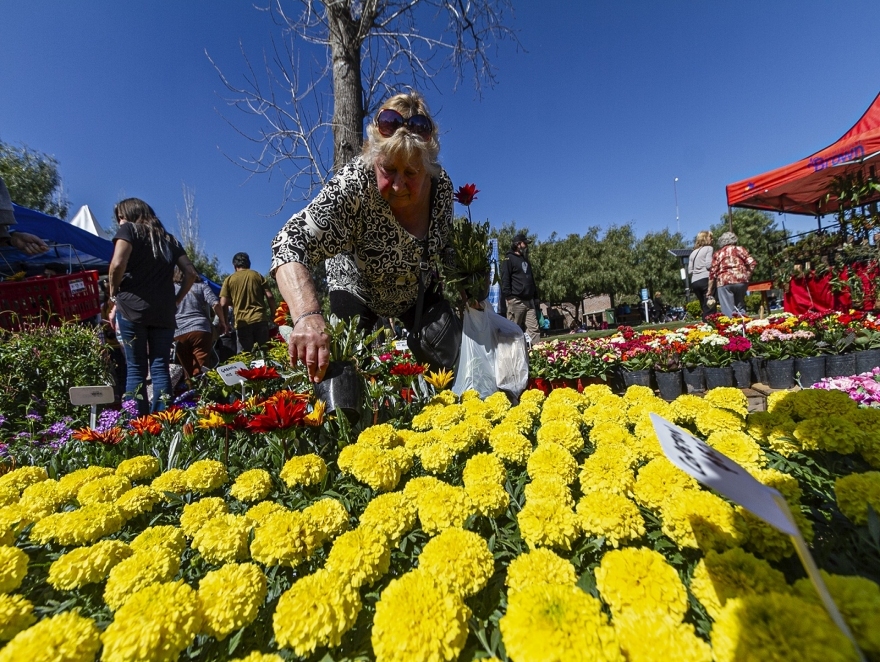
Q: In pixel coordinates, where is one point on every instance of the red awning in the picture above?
(800, 188)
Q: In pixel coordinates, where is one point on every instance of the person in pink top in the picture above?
(732, 266)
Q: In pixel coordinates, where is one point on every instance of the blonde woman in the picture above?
(699, 264)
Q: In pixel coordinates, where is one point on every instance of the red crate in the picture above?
(49, 300)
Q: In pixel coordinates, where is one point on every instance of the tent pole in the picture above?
(730, 217)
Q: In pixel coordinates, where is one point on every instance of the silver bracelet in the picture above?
(309, 314)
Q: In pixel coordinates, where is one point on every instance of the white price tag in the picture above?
(401, 346)
(229, 373)
(91, 395)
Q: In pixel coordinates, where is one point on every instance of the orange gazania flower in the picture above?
(170, 416)
(110, 438)
(279, 415)
(144, 424)
(288, 396)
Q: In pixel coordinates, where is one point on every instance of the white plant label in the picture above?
(91, 395)
(229, 373)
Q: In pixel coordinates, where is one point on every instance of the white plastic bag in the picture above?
(493, 355)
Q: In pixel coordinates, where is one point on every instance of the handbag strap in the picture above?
(420, 301)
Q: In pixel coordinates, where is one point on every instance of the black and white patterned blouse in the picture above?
(373, 256)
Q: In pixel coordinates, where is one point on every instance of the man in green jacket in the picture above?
(252, 303)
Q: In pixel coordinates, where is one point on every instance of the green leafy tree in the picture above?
(33, 179)
(757, 232)
(562, 266)
(613, 269)
(657, 269)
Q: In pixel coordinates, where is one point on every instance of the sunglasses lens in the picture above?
(389, 121)
(420, 125)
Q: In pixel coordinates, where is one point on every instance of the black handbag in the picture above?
(435, 338)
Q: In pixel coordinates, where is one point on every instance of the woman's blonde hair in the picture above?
(403, 143)
(704, 238)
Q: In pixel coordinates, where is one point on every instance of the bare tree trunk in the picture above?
(348, 93)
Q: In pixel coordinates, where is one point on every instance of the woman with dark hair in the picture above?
(142, 287)
(374, 222)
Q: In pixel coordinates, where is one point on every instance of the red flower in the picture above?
(279, 415)
(259, 373)
(145, 424)
(109, 438)
(466, 194)
(407, 369)
(232, 408)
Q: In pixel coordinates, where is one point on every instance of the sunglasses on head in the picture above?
(388, 121)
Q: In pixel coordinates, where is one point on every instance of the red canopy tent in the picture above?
(800, 188)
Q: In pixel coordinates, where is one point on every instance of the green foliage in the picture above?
(657, 269)
(468, 270)
(757, 232)
(693, 309)
(206, 265)
(33, 179)
(39, 364)
(753, 304)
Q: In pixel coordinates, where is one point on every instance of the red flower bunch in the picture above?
(259, 373)
(109, 438)
(145, 425)
(280, 414)
(407, 369)
(466, 194)
(225, 409)
(738, 344)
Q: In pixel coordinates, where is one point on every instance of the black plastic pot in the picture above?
(809, 370)
(636, 378)
(759, 369)
(669, 384)
(780, 373)
(742, 374)
(694, 380)
(840, 365)
(341, 389)
(867, 360)
(718, 377)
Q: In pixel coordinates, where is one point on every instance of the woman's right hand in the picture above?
(310, 344)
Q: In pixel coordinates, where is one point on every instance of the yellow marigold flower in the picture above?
(470, 394)
(16, 614)
(739, 447)
(380, 436)
(733, 574)
(549, 489)
(415, 441)
(87, 565)
(223, 539)
(23, 477)
(285, 538)
(418, 620)
(760, 424)
(173, 481)
(137, 501)
(441, 379)
(415, 487)
(565, 396)
(138, 468)
(497, 406)
(463, 436)
(558, 410)
(443, 399)
(252, 485)
(594, 392)
(686, 408)
(141, 569)
(636, 394)
(437, 458)
(609, 409)
(778, 627)
(781, 402)
(445, 418)
(820, 403)
(610, 433)
(42, 499)
(360, 557)
(546, 523)
(828, 433)
(510, 445)
(459, 561)
(717, 420)
(858, 599)
(392, 515)
(8, 495)
(230, 598)
(766, 540)
(605, 471)
(263, 510)
(158, 622)
(640, 580)
(316, 611)
(868, 421)
(729, 398)
(700, 519)
(328, 516)
(551, 460)
(66, 636)
(489, 499)
(855, 492)
(13, 568)
(659, 481)
(12, 520)
(519, 419)
(557, 623)
(205, 476)
(380, 469)
(639, 411)
(103, 490)
(484, 468)
(539, 566)
(650, 637)
(197, 513)
(443, 506)
(303, 471)
(611, 516)
(257, 656)
(563, 432)
(786, 485)
(424, 420)
(166, 537)
(79, 527)
(533, 395)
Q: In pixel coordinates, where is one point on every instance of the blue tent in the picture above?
(69, 246)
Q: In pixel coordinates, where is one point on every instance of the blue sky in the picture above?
(589, 123)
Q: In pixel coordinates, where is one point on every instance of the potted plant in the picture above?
(837, 341)
(780, 363)
(692, 370)
(715, 360)
(636, 359)
(739, 347)
(867, 342)
(668, 370)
